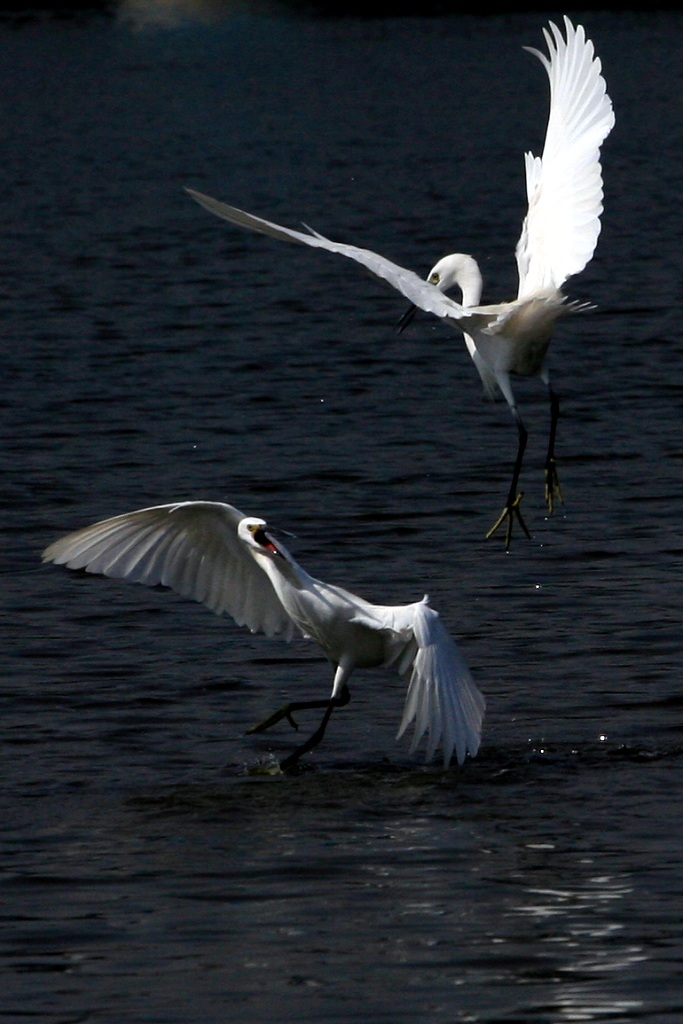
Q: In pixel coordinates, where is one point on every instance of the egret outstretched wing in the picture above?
(419, 292)
(191, 547)
(564, 185)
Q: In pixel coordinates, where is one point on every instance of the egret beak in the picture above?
(267, 538)
(406, 319)
(264, 538)
(277, 531)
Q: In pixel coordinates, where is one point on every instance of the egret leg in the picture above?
(286, 712)
(512, 510)
(305, 705)
(313, 741)
(552, 482)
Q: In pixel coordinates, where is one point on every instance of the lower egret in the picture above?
(213, 553)
(558, 238)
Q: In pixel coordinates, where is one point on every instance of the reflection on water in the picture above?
(585, 921)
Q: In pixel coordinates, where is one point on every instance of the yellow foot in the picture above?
(552, 486)
(509, 513)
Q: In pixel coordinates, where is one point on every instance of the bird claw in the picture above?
(277, 716)
(552, 485)
(509, 513)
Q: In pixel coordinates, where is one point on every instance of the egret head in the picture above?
(253, 533)
(454, 269)
(461, 270)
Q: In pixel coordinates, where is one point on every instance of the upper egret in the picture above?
(559, 235)
(213, 553)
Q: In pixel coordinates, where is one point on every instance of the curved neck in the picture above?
(469, 281)
(461, 270)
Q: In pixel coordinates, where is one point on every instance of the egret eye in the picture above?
(435, 279)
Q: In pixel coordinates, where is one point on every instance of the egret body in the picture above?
(211, 552)
(558, 238)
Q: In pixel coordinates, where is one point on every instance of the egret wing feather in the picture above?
(564, 185)
(190, 547)
(416, 290)
(442, 699)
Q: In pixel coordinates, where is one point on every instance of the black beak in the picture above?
(406, 319)
(278, 531)
(266, 537)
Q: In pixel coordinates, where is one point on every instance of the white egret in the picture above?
(211, 552)
(559, 235)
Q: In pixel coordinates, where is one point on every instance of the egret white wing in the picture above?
(419, 292)
(191, 547)
(443, 699)
(564, 185)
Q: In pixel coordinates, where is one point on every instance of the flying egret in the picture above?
(559, 235)
(213, 553)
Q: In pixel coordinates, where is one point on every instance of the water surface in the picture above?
(150, 871)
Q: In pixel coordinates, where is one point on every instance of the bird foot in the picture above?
(509, 514)
(552, 485)
(277, 716)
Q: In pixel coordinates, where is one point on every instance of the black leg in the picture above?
(552, 483)
(308, 705)
(286, 712)
(512, 510)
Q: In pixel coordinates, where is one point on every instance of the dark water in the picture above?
(151, 353)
